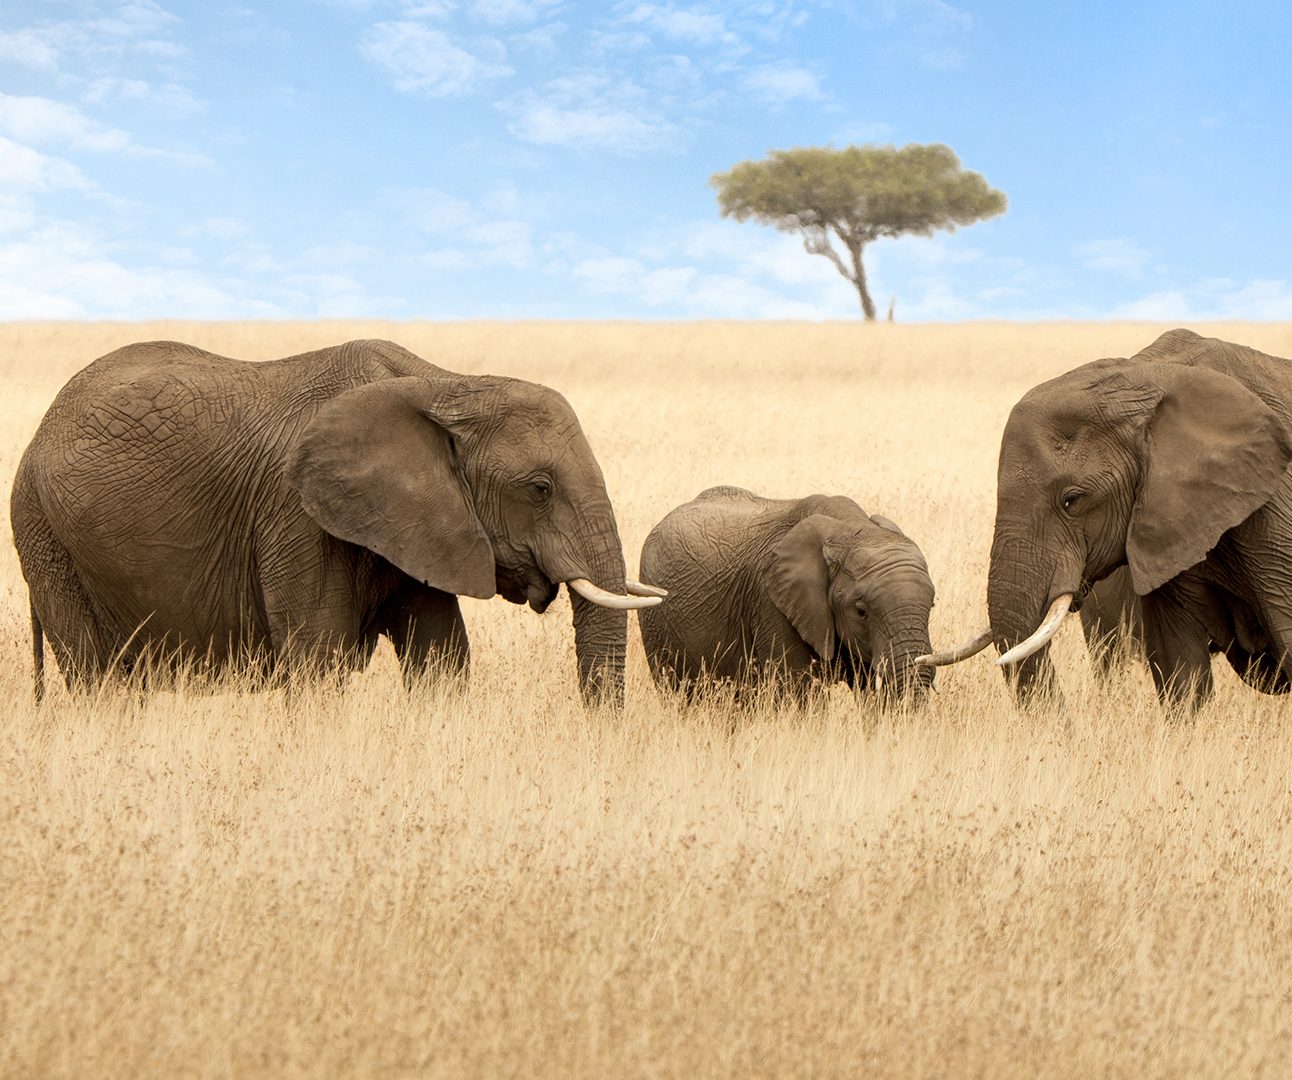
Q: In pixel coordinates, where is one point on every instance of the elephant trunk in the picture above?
(896, 648)
(600, 632)
(1019, 585)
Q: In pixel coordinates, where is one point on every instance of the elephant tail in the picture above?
(37, 654)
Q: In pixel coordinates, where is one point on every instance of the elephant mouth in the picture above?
(527, 585)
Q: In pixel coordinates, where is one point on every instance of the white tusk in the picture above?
(636, 588)
(960, 652)
(1041, 635)
(597, 595)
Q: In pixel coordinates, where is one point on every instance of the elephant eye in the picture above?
(1070, 499)
(541, 486)
(861, 610)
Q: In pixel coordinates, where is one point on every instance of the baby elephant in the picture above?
(785, 589)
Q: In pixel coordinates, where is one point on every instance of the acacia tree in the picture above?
(857, 195)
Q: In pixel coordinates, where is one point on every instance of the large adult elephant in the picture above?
(786, 590)
(279, 516)
(1173, 463)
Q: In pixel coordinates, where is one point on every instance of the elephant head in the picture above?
(1144, 462)
(475, 485)
(859, 596)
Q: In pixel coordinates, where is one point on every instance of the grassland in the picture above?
(498, 883)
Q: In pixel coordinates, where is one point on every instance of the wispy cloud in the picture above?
(934, 32)
(684, 24)
(136, 31)
(429, 209)
(590, 111)
(713, 269)
(1119, 256)
(783, 82)
(464, 234)
(689, 291)
(1264, 299)
(44, 121)
(30, 48)
(25, 169)
(512, 12)
(426, 61)
(168, 96)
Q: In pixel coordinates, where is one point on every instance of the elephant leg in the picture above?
(1101, 639)
(426, 628)
(1178, 650)
(311, 585)
(1259, 670)
(61, 609)
(666, 669)
(1109, 620)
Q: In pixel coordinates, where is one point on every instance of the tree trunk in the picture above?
(859, 279)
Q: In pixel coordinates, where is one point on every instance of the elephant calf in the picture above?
(785, 589)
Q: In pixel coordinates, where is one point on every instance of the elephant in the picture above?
(1173, 464)
(185, 508)
(786, 591)
(1110, 620)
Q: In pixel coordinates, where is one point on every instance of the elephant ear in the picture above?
(1214, 453)
(799, 582)
(376, 466)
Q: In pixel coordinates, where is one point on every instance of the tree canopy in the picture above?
(857, 195)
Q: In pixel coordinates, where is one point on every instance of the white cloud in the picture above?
(421, 60)
(30, 48)
(61, 271)
(17, 212)
(25, 169)
(169, 96)
(936, 33)
(43, 120)
(425, 9)
(64, 270)
(783, 81)
(340, 253)
(592, 112)
(491, 243)
(684, 24)
(135, 32)
(508, 12)
(876, 131)
(226, 229)
(709, 269)
(1119, 256)
(430, 209)
(1264, 299)
(466, 234)
(689, 291)
(335, 296)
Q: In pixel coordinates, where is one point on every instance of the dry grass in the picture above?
(495, 882)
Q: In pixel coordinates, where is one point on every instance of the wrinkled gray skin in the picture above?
(792, 590)
(280, 516)
(1172, 463)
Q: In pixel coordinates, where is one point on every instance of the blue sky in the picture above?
(548, 158)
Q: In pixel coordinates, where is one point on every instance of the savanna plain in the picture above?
(493, 881)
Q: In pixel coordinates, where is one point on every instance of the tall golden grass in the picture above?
(492, 881)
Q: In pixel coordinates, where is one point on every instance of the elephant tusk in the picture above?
(596, 595)
(636, 588)
(1041, 635)
(960, 652)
